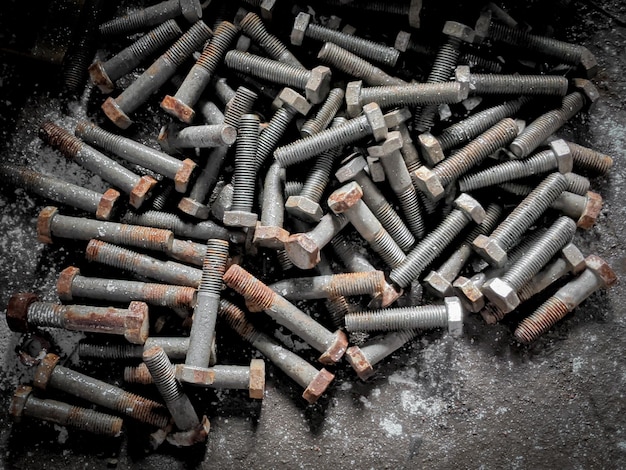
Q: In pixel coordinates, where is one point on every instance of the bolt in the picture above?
(181, 104)
(347, 200)
(174, 138)
(198, 230)
(355, 66)
(104, 74)
(102, 205)
(241, 103)
(50, 374)
(315, 82)
(590, 160)
(174, 347)
(251, 378)
(434, 182)
(315, 382)
(71, 284)
(153, 15)
(117, 109)
(502, 291)
(138, 187)
(324, 114)
(466, 210)
(26, 311)
(598, 275)
(371, 123)
(502, 84)
(25, 404)
(331, 345)
(558, 158)
(269, 232)
(331, 286)
(364, 48)
(253, 26)
(493, 248)
(240, 213)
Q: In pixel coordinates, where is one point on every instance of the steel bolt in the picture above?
(198, 230)
(174, 138)
(331, 286)
(269, 232)
(499, 84)
(253, 26)
(325, 114)
(251, 378)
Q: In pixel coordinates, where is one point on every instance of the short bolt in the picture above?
(330, 286)
(175, 347)
(26, 311)
(466, 210)
(331, 345)
(241, 103)
(118, 109)
(174, 138)
(325, 114)
(254, 27)
(104, 74)
(500, 84)
(102, 205)
(269, 231)
(199, 230)
(137, 187)
(25, 404)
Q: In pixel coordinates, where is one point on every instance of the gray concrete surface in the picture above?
(481, 401)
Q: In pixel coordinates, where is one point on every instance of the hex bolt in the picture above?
(372, 122)
(118, 109)
(451, 314)
(103, 206)
(104, 74)
(325, 114)
(558, 158)
(433, 182)
(400, 180)
(439, 281)
(254, 27)
(502, 291)
(174, 138)
(153, 15)
(175, 347)
(240, 213)
(331, 345)
(303, 249)
(315, 82)
(251, 378)
(410, 94)
(598, 275)
(466, 210)
(25, 404)
(501, 84)
(330, 286)
(432, 148)
(205, 312)
(376, 201)
(71, 284)
(199, 230)
(137, 187)
(134, 152)
(241, 103)
(371, 50)
(315, 382)
(269, 231)
(50, 374)
(181, 104)
(493, 248)
(355, 66)
(143, 265)
(26, 311)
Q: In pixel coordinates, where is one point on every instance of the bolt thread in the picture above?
(138, 375)
(245, 163)
(114, 256)
(337, 308)
(46, 314)
(542, 319)
(60, 139)
(251, 288)
(93, 421)
(476, 151)
(146, 237)
(283, 260)
(241, 104)
(154, 219)
(214, 266)
(254, 27)
(590, 160)
(213, 54)
(77, 60)
(422, 317)
(418, 94)
(395, 226)
(268, 69)
(516, 188)
(577, 184)
(349, 284)
(168, 295)
(293, 188)
(161, 199)
(412, 211)
(113, 352)
(372, 6)
(162, 374)
(319, 176)
(142, 409)
(188, 43)
(271, 135)
(492, 215)
(93, 134)
(325, 114)
(388, 250)
(492, 84)
(139, 19)
(236, 319)
(445, 61)
(477, 62)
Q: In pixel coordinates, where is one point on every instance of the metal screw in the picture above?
(138, 187)
(315, 82)
(324, 114)
(175, 348)
(174, 138)
(239, 104)
(466, 210)
(104, 74)
(501, 84)
(331, 286)
(331, 345)
(181, 104)
(502, 291)
(253, 26)
(117, 109)
(25, 311)
(598, 275)
(434, 182)
(198, 230)
(25, 404)
(269, 232)
(371, 50)
(191, 10)
(315, 382)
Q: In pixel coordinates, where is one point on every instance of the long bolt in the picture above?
(25, 404)
(241, 103)
(269, 232)
(529, 85)
(331, 345)
(174, 138)
(104, 74)
(304, 374)
(134, 152)
(138, 187)
(102, 205)
(175, 347)
(375, 350)
(253, 26)
(199, 230)
(598, 275)
(330, 286)
(155, 76)
(25, 311)
(325, 114)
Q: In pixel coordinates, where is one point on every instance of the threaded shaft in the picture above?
(113, 352)
(417, 94)
(254, 27)
(188, 43)
(141, 19)
(46, 314)
(138, 375)
(319, 176)
(241, 104)
(145, 237)
(348, 284)
(445, 61)
(268, 69)
(214, 267)
(544, 318)
(249, 286)
(422, 317)
(114, 256)
(162, 374)
(271, 135)
(337, 309)
(142, 409)
(412, 211)
(93, 421)
(492, 84)
(161, 199)
(577, 184)
(236, 319)
(395, 226)
(245, 164)
(325, 114)
(587, 159)
(284, 261)
(387, 248)
(213, 54)
(292, 188)
(60, 139)
(477, 62)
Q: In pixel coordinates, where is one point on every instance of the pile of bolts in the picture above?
(389, 204)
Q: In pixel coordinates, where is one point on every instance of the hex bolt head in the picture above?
(350, 169)
(44, 224)
(194, 208)
(17, 311)
(490, 250)
(429, 183)
(304, 208)
(290, 98)
(303, 251)
(300, 25)
(270, 236)
(318, 84)
(318, 386)
(256, 387)
(471, 296)
(588, 89)
(574, 258)
(142, 191)
(376, 120)
(591, 211)
(345, 197)
(458, 30)
(471, 207)
(501, 294)
(114, 113)
(363, 368)
(563, 155)
(178, 108)
(431, 150)
(440, 285)
(456, 315)
(65, 281)
(107, 204)
(100, 78)
(43, 372)
(353, 98)
(191, 10)
(240, 219)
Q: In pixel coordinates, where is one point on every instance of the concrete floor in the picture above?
(481, 401)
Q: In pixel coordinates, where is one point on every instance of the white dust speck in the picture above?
(390, 427)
